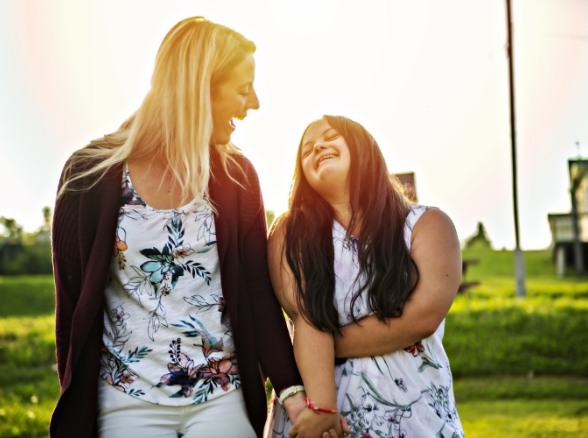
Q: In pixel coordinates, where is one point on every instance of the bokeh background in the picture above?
(429, 78)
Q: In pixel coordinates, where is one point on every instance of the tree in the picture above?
(479, 239)
(25, 253)
(13, 232)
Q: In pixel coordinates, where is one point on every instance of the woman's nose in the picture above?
(253, 102)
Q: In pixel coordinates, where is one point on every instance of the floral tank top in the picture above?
(166, 338)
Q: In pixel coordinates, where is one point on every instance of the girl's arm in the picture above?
(313, 349)
(436, 251)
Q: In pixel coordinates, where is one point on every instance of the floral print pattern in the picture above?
(166, 336)
(188, 375)
(158, 276)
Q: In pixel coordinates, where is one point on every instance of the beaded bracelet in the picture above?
(310, 405)
(289, 392)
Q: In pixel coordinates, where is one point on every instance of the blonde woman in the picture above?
(166, 321)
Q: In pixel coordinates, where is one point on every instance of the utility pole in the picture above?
(576, 180)
(519, 260)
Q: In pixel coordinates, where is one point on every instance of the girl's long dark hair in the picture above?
(378, 207)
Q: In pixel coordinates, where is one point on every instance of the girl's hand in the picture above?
(332, 434)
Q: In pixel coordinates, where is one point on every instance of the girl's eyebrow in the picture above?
(309, 143)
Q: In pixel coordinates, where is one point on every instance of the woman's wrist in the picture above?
(289, 392)
(295, 405)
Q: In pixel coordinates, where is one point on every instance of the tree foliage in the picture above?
(479, 239)
(25, 253)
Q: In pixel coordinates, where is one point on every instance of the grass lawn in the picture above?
(525, 418)
(520, 365)
(523, 406)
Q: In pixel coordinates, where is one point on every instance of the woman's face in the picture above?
(232, 98)
(325, 159)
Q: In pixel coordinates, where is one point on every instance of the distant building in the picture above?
(569, 231)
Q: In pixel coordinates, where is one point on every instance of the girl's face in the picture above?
(325, 159)
(232, 98)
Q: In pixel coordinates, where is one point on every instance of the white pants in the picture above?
(123, 416)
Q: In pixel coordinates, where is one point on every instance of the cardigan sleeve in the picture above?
(67, 271)
(275, 352)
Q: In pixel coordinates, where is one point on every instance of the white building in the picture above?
(569, 231)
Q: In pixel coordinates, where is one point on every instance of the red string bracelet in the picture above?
(310, 405)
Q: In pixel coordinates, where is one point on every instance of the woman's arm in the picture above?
(436, 251)
(313, 349)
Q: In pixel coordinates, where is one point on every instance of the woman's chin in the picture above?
(221, 139)
(222, 135)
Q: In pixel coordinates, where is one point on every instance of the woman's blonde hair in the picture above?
(174, 120)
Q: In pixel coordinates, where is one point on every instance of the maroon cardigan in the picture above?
(83, 235)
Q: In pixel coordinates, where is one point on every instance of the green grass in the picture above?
(495, 271)
(501, 388)
(26, 296)
(28, 380)
(515, 337)
(509, 407)
(520, 365)
(542, 334)
(525, 418)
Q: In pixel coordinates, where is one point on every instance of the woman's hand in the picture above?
(312, 425)
(294, 405)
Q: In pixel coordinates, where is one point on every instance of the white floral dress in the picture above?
(408, 393)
